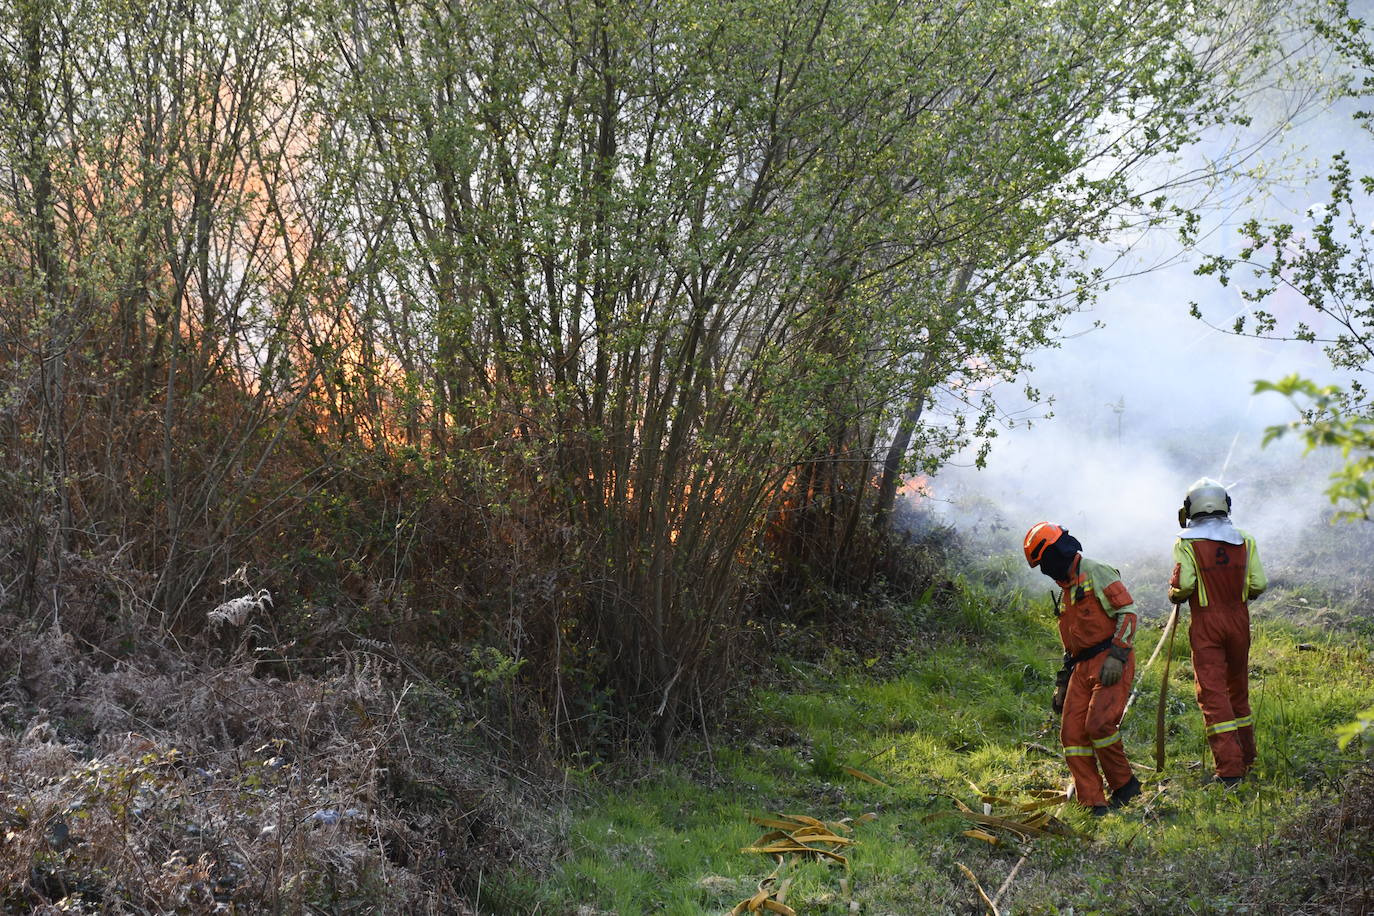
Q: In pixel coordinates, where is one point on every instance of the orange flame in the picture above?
(916, 488)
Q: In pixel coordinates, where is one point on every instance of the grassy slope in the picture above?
(971, 710)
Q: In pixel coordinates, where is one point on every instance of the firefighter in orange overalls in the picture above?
(1097, 623)
(1217, 571)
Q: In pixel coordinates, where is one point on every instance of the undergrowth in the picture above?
(259, 771)
(242, 773)
(935, 718)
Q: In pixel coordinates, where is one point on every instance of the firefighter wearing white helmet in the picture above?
(1217, 570)
(1206, 499)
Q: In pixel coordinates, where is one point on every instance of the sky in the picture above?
(1154, 399)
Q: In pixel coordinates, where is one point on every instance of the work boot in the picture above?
(1122, 796)
(1230, 782)
(1099, 810)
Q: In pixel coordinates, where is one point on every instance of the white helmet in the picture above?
(1205, 497)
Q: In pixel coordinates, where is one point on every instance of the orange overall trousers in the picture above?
(1220, 638)
(1089, 730)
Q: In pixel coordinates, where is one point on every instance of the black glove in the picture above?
(1113, 665)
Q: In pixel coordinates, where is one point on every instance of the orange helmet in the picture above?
(1038, 539)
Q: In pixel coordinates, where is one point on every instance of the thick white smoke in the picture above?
(1144, 406)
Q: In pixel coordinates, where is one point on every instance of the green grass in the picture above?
(973, 711)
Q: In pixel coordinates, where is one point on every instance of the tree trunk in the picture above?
(911, 416)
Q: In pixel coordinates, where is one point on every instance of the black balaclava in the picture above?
(1059, 555)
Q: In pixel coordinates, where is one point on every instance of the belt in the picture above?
(1091, 652)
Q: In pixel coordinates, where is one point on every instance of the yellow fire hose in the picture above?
(1140, 674)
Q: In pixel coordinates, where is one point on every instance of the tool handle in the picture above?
(1172, 628)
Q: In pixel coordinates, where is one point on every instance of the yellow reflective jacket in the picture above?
(1186, 583)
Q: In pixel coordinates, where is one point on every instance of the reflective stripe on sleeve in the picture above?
(1125, 629)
